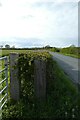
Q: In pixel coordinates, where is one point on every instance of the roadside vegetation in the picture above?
(63, 98)
(69, 51)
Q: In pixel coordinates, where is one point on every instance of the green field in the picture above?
(7, 52)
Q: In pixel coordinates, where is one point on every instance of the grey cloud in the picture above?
(62, 41)
(22, 42)
(36, 42)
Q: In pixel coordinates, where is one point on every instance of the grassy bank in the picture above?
(69, 51)
(63, 99)
(71, 55)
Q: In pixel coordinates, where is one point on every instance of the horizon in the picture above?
(33, 47)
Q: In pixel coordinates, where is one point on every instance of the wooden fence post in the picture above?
(40, 79)
(14, 81)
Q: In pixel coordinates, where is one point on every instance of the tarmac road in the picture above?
(70, 65)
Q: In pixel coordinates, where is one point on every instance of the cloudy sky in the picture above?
(36, 23)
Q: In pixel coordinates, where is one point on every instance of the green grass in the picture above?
(69, 51)
(63, 99)
(7, 52)
(71, 55)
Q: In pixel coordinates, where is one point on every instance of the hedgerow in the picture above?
(26, 72)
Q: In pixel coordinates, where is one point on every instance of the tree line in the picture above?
(66, 50)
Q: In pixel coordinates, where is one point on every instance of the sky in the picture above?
(37, 23)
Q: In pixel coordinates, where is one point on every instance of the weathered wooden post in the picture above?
(40, 79)
(14, 81)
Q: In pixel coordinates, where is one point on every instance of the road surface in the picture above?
(70, 65)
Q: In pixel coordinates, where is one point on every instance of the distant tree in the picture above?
(56, 49)
(7, 46)
(47, 46)
(72, 45)
(13, 46)
(1, 46)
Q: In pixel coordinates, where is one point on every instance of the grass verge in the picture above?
(71, 55)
